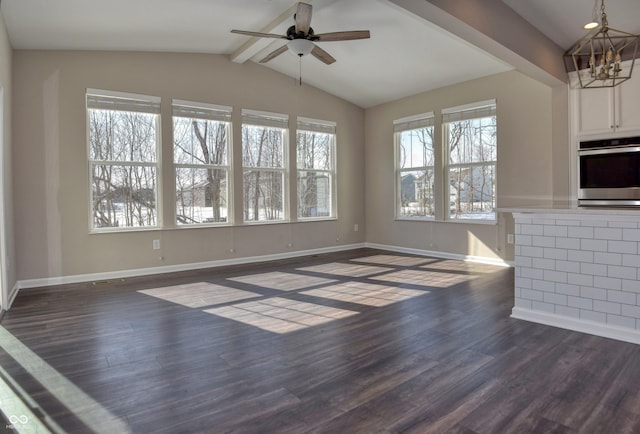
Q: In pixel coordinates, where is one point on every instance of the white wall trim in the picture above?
(137, 272)
(12, 295)
(93, 277)
(578, 325)
(443, 255)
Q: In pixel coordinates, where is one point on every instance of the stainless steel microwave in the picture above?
(609, 172)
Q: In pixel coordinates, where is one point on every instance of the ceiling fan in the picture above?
(301, 37)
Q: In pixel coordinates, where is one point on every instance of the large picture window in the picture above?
(123, 159)
(415, 161)
(471, 137)
(264, 162)
(201, 157)
(315, 149)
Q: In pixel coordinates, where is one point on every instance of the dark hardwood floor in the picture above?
(355, 342)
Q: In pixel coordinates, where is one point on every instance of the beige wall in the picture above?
(49, 133)
(525, 170)
(7, 236)
(51, 174)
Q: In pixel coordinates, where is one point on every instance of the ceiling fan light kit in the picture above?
(300, 47)
(604, 58)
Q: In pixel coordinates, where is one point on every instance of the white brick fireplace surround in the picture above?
(579, 269)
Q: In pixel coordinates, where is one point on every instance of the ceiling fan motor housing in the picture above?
(291, 34)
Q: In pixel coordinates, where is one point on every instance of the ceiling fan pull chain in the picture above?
(300, 69)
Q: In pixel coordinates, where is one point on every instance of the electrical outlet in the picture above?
(355, 227)
(510, 239)
(156, 244)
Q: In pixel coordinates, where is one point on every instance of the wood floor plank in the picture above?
(383, 342)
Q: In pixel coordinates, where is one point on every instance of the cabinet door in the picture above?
(595, 110)
(627, 103)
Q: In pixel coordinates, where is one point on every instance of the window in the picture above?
(470, 135)
(201, 158)
(123, 159)
(415, 161)
(264, 165)
(315, 149)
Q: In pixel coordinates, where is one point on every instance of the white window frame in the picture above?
(309, 125)
(276, 121)
(410, 123)
(205, 112)
(479, 110)
(97, 99)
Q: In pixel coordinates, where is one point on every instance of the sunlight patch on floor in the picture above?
(85, 408)
(199, 294)
(280, 315)
(281, 281)
(402, 261)
(373, 295)
(437, 279)
(17, 413)
(460, 266)
(348, 270)
(377, 281)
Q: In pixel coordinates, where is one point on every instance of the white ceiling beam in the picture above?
(255, 45)
(498, 30)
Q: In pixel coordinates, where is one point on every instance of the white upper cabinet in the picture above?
(607, 110)
(594, 111)
(627, 105)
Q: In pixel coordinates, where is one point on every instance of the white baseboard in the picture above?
(122, 274)
(93, 277)
(12, 295)
(590, 327)
(442, 255)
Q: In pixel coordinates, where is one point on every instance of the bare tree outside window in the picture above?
(123, 165)
(315, 160)
(201, 163)
(472, 149)
(415, 175)
(263, 161)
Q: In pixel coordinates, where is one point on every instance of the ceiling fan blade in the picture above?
(322, 55)
(258, 34)
(342, 36)
(303, 18)
(274, 53)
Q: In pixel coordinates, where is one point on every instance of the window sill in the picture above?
(416, 219)
(456, 221)
(121, 230)
(315, 219)
(207, 226)
(472, 221)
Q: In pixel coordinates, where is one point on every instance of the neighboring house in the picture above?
(197, 195)
(408, 189)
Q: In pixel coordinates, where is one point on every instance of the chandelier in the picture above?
(604, 58)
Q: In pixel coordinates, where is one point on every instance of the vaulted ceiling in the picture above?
(406, 54)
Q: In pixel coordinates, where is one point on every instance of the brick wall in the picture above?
(582, 267)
